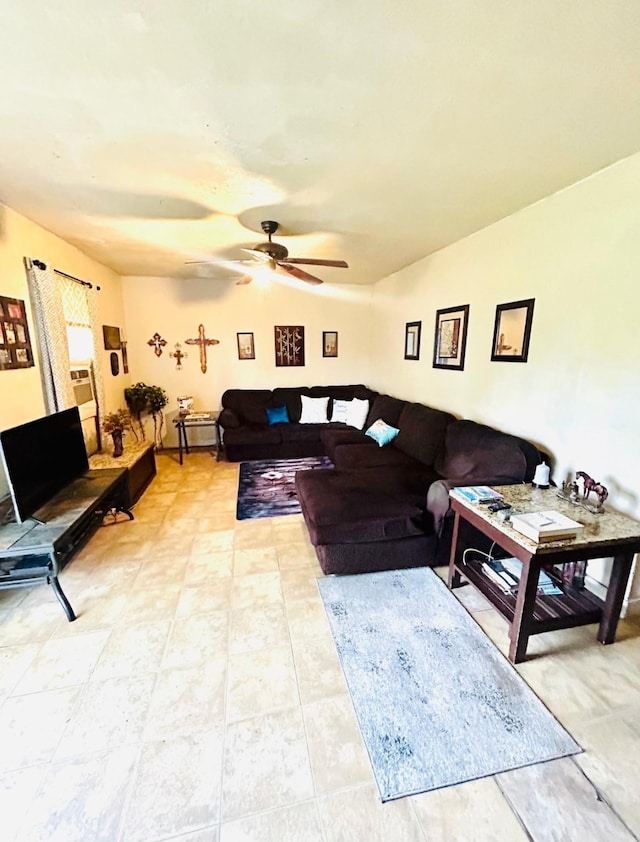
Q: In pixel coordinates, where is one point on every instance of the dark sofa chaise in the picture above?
(380, 507)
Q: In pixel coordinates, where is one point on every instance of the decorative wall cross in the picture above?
(178, 355)
(158, 343)
(202, 341)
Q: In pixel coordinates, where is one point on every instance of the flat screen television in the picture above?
(41, 457)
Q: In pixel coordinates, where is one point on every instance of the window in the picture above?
(78, 320)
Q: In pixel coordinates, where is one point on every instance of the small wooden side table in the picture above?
(197, 419)
(527, 612)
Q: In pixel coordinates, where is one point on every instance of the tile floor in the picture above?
(198, 697)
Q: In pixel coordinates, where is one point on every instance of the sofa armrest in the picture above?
(438, 503)
(228, 419)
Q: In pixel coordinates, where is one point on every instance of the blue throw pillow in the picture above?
(278, 415)
(381, 432)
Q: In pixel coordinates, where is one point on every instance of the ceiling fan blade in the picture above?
(215, 261)
(259, 255)
(298, 273)
(245, 279)
(339, 264)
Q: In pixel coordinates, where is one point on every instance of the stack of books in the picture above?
(506, 572)
(478, 493)
(546, 526)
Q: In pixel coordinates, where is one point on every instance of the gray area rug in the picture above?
(436, 702)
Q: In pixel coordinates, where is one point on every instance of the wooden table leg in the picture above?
(454, 579)
(218, 438)
(180, 431)
(519, 630)
(615, 597)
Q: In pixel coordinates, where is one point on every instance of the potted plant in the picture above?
(142, 398)
(156, 401)
(136, 398)
(115, 423)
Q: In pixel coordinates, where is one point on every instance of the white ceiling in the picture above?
(151, 133)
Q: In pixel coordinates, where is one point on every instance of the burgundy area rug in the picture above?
(267, 487)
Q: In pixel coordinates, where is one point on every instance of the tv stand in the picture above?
(36, 550)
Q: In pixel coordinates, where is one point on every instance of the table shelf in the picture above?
(575, 607)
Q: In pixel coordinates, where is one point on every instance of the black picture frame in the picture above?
(111, 337)
(412, 340)
(246, 347)
(289, 345)
(15, 342)
(450, 337)
(512, 331)
(329, 343)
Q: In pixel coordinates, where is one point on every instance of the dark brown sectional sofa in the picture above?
(380, 507)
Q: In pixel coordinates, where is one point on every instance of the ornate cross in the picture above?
(158, 344)
(202, 341)
(178, 355)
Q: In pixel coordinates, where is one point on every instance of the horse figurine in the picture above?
(590, 485)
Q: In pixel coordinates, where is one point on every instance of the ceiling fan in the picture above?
(276, 255)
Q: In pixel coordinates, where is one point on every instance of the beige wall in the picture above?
(174, 309)
(21, 396)
(578, 254)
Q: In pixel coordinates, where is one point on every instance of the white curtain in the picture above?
(52, 336)
(92, 301)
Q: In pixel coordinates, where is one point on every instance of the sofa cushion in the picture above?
(382, 433)
(277, 415)
(332, 437)
(475, 450)
(338, 509)
(356, 456)
(339, 411)
(422, 432)
(250, 405)
(387, 408)
(253, 434)
(357, 413)
(301, 432)
(314, 410)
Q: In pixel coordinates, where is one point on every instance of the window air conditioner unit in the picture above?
(84, 389)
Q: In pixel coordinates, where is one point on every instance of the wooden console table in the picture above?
(197, 419)
(138, 458)
(36, 550)
(528, 613)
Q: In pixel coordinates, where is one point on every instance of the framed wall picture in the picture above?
(111, 338)
(329, 343)
(246, 348)
(15, 343)
(412, 340)
(512, 331)
(450, 340)
(289, 345)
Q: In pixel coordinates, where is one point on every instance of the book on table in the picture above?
(506, 573)
(546, 526)
(478, 493)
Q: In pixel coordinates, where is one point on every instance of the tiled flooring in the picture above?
(199, 697)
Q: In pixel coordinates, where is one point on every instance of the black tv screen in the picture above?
(41, 457)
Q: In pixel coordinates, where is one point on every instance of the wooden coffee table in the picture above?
(528, 613)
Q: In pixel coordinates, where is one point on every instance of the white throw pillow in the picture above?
(314, 410)
(357, 413)
(340, 410)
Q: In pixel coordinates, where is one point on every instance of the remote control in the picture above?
(498, 506)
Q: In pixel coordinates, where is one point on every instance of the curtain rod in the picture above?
(42, 265)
